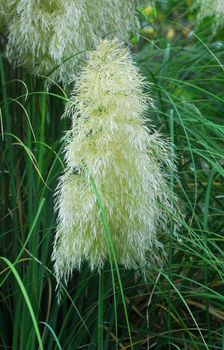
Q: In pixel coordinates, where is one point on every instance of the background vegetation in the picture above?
(180, 306)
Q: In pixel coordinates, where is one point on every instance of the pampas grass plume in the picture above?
(213, 9)
(109, 141)
(51, 36)
(45, 33)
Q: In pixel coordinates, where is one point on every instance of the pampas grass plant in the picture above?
(110, 142)
(51, 36)
(211, 9)
(43, 35)
(113, 17)
(180, 306)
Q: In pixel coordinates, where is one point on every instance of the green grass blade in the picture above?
(27, 300)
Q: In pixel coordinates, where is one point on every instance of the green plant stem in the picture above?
(205, 228)
(42, 133)
(100, 309)
(27, 300)
(8, 143)
(171, 122)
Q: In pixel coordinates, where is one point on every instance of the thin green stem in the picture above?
(169, 319)
(100, 309)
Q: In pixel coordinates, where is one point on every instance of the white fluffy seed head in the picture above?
(113, 17)
(44, 34)
(110, 142)
(53, 35)
(211, 9)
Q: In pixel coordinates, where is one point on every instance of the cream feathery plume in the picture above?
(113, 17)
(213, 9)
(45, 34)
(52, 35)
(110, 142)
